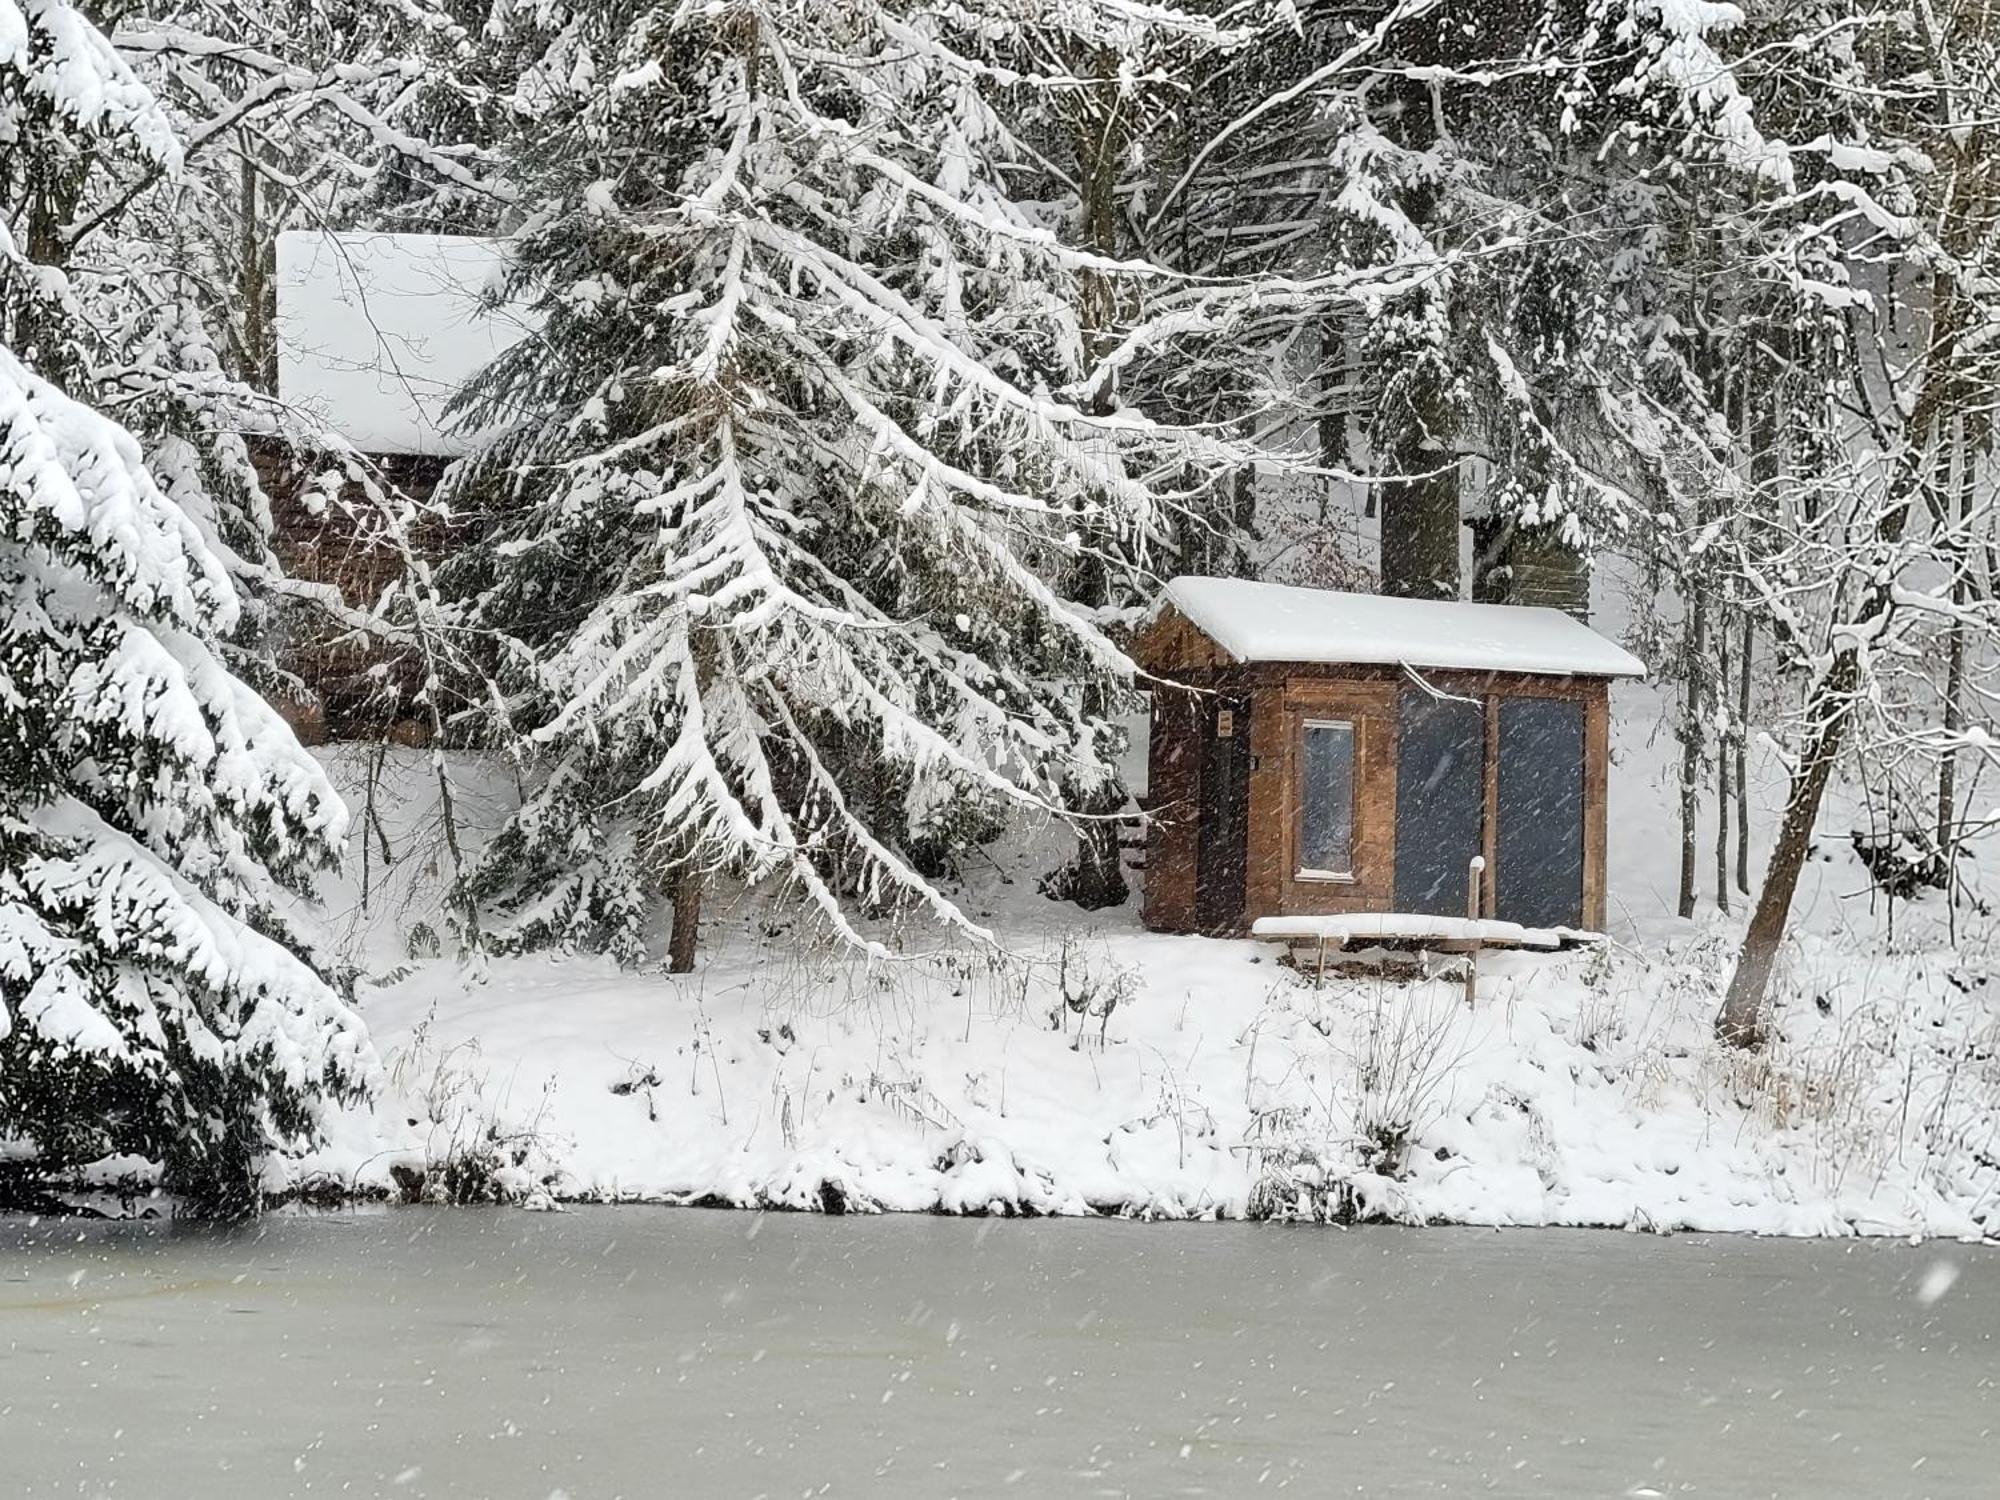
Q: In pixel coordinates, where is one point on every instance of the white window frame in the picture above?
(1304, 871)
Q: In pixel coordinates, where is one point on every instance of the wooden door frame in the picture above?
(1594, 693)
(1371, 706)
(1242, 702)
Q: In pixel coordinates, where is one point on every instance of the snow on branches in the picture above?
(798, 478)
(153, 808)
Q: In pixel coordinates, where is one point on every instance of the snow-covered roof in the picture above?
(1275, 622)
(377, 332)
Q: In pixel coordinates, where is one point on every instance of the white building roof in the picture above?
(377, 332)
(1278, 623)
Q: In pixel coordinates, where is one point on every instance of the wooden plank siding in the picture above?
(1270, 794)
(1371, 708)
(1171, 646)
(1173, 801)
(325, 544)
(1596, 801)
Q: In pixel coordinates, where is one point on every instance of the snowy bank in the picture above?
(1582, 1090)
(1106, 1069)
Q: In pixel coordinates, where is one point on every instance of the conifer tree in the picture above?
(790, 491)
(153, 809)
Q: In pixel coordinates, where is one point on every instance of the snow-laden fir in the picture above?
(152, 805)
(815, 486)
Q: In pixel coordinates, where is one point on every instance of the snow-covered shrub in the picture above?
(466, 1153)
(1295, 1173)
(1089, 986)
(1371, 1098)
(1602, 1012)
(1413, 1038)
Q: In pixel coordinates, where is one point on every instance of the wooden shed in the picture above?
(1326, 754)
(376, 334)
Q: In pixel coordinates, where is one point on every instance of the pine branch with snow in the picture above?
(795, 475)
(154, 811)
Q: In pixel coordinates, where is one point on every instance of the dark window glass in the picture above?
(1539, 846)
(1326, 799)
(1440, 801)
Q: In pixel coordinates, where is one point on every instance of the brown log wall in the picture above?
(349, 680)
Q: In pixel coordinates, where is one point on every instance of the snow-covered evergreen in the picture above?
(822, 430)
(153, 808)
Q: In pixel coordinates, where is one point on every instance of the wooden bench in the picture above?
(1316, 939)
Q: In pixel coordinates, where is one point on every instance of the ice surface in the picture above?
(452, 1355)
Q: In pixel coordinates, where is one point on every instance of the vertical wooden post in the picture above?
(1596, 802)
(1474, 873)
(1489, 840)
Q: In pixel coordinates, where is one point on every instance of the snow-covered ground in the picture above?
(1582, 1088)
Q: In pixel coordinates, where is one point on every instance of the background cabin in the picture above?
(1317, 753)
(376, 334)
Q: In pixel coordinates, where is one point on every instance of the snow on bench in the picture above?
(1415, 927)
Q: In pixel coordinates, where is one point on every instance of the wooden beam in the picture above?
(1596, 797)
(1489, 834)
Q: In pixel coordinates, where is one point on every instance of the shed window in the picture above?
(1326, 800)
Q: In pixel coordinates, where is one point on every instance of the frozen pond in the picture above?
(645, 1353)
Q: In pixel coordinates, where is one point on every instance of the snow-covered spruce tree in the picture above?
(791, 485)
(152, 807)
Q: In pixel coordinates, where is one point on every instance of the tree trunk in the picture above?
(53, 192)
(1419, 433)
(1693, 640)
(1332, 423)
(1095, 878)
(1242, 521)
(1421, 515)
(250, 268)
(1954, 677)
(1722, 771)
(1098, 879)
(1954, 721)
(1769, 442)
(682, 940)
(1741, 1021)
(1740, 747)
